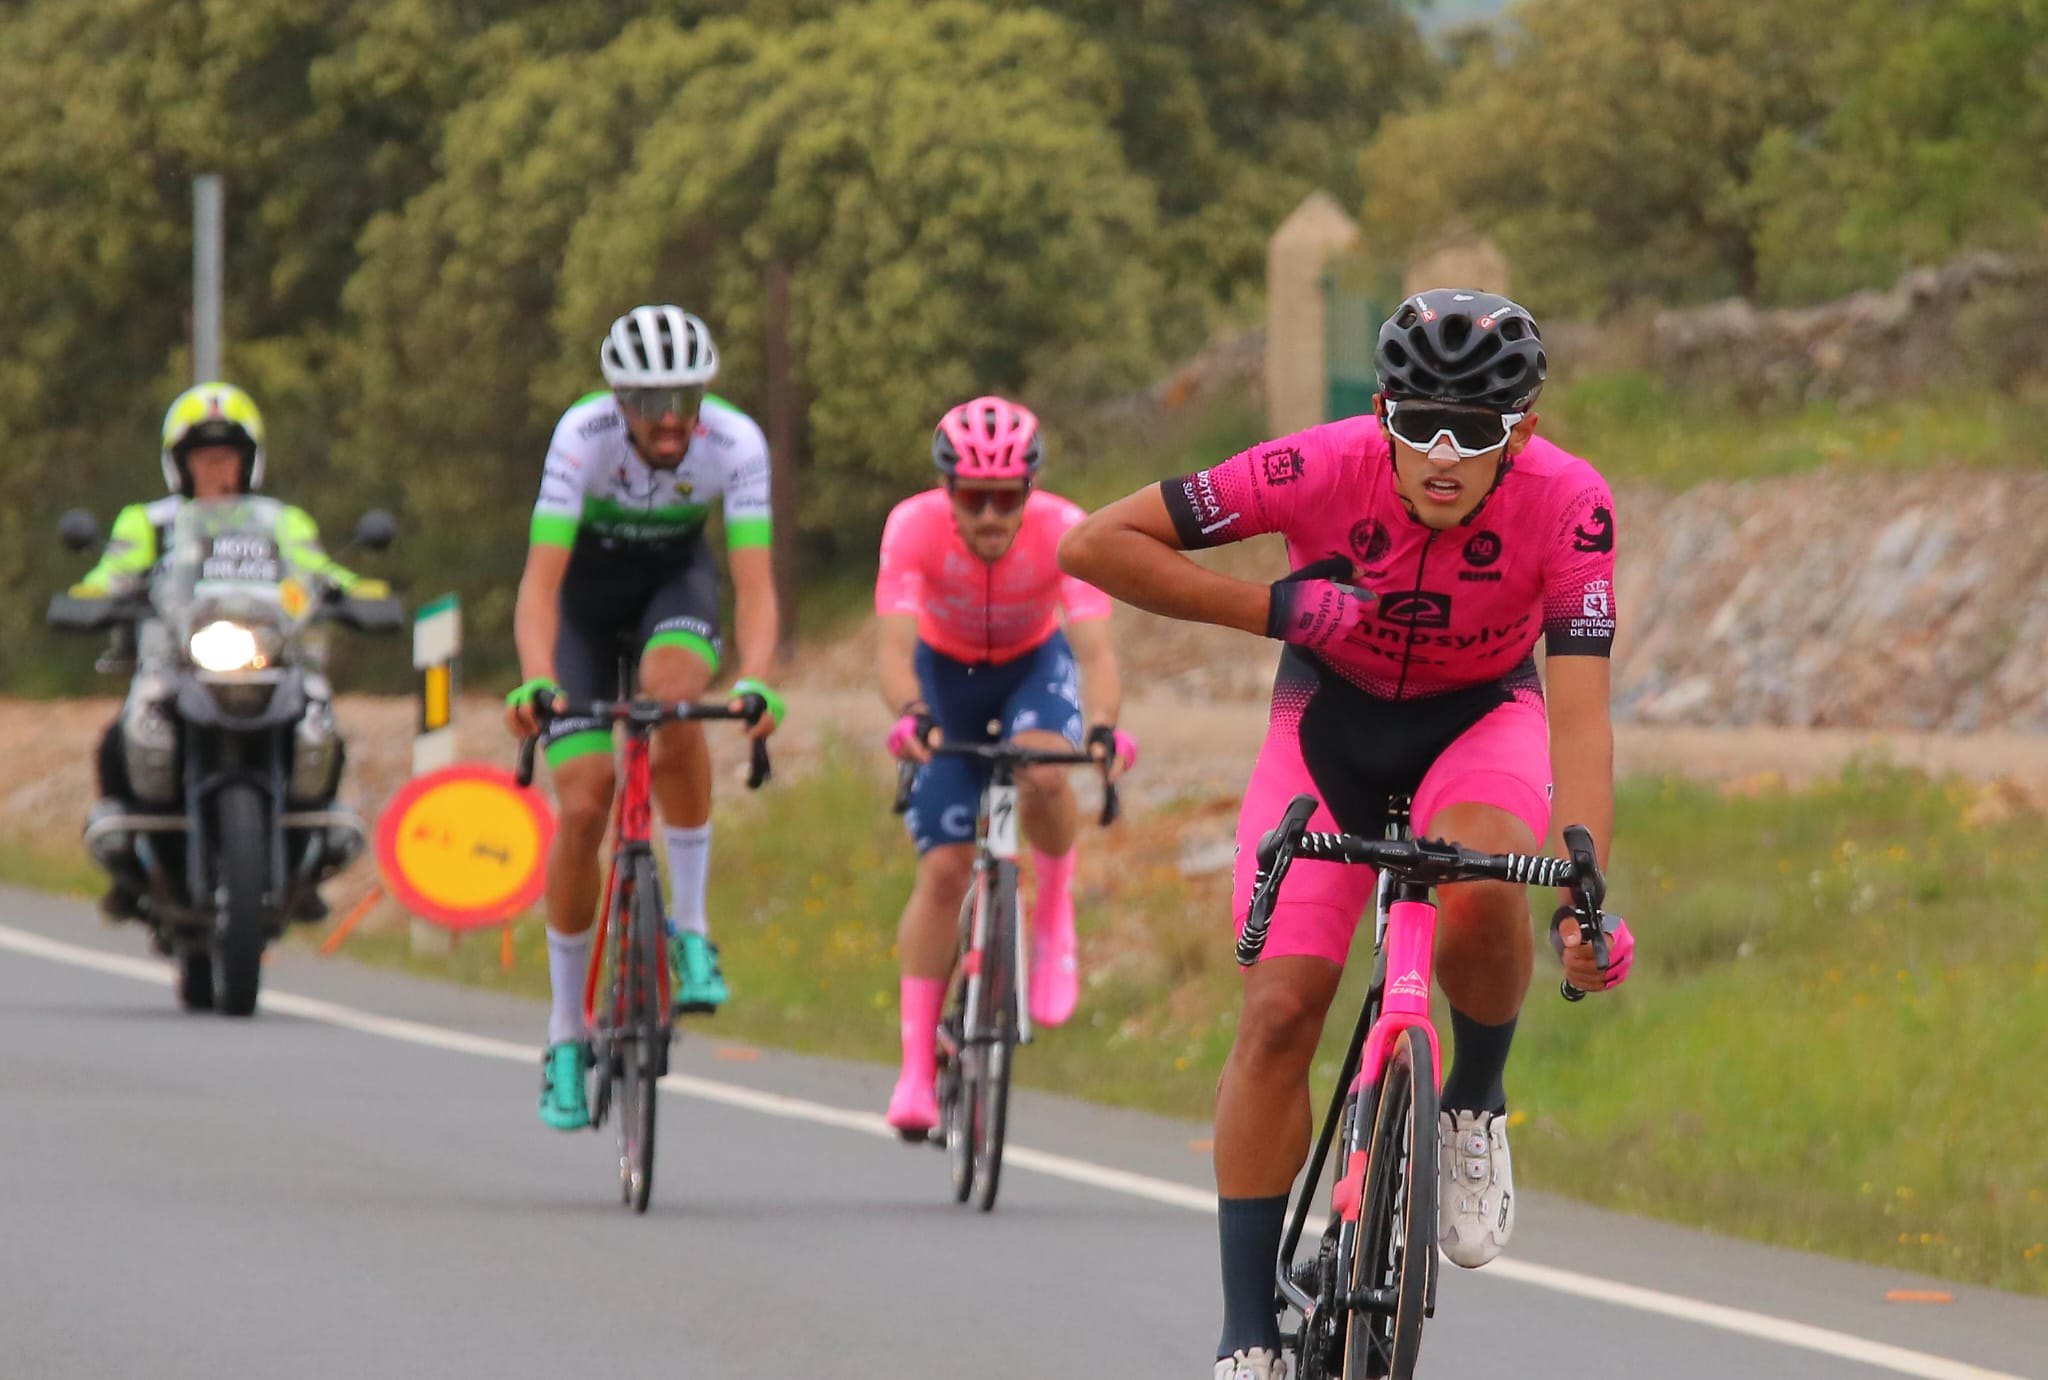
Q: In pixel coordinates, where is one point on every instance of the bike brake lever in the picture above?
(906, 776)
(758, 768)
(1589, 895)
(1112, 803)
(543, 709)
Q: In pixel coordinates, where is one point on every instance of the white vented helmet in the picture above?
(659, 347)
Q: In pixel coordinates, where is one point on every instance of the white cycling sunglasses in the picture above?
(1472, 434)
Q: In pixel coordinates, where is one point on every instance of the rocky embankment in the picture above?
(1910, 602)
(1914, 602)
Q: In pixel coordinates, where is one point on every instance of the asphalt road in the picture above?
(354, 1185)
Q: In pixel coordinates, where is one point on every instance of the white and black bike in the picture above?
(986, 1018)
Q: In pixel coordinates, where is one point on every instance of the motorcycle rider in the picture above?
(212, 448)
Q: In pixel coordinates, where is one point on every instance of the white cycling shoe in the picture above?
(1476, 1196)
(1256, 1364)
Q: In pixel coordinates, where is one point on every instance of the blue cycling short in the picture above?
(981, 703)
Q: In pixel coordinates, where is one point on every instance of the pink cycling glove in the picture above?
(1310, 610)
(911, 728)
(1122, 746)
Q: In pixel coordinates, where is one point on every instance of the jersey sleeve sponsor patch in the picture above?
(1252, 492)
(1578, 597)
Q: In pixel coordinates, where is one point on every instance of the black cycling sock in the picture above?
(1480, 1059)
(1250, 1230)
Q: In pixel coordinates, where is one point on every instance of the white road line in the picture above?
(1761, 1326)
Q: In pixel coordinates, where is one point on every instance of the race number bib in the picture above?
(1002, 821)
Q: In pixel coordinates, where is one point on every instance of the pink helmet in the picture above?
(989, 438)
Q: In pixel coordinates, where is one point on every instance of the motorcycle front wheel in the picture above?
(244, 870)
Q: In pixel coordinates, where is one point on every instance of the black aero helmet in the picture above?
(1456, 345)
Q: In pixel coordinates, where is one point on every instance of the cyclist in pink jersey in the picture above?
(1435, 542)
(970, 598)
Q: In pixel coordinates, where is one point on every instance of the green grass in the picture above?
(1833, 1039)
(68, 872)
(1637, 430)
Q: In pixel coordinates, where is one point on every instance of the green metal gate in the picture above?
(1355, 301)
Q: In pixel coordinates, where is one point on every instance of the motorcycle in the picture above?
(228, 731)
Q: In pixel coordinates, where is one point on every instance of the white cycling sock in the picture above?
(689, 857)
(567, 956)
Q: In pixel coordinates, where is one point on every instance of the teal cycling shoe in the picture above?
(563, 1103)
(693, 973)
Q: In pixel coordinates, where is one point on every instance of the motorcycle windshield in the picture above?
(228, 559)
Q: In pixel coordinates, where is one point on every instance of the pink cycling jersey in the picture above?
(1455, 608)
(1434, 699)
(974, 610)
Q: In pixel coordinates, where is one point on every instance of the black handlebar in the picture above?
(642, 716)
(1007, 755)
(97, 613)
(1429, 861)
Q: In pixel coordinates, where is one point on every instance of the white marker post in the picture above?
(437, 656)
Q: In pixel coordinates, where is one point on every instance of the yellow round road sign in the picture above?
(465, 847)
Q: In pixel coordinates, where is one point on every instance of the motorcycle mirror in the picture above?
(79, 529)
(375, 530)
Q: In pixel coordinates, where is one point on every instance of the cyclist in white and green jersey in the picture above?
(618, 562)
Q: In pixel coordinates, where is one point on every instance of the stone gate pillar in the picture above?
(1297, 380)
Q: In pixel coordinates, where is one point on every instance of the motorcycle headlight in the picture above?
(224, 646)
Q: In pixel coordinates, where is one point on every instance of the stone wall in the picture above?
(1900, 601)
(1976, 319)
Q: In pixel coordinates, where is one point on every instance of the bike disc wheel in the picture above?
(999, 1008)
(645, 1037)
(1396, 1239)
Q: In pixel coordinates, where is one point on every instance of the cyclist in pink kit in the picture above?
(970, 599)
(1434, 543)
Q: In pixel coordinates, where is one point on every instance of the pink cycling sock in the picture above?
(921, 998)
(1055, 875)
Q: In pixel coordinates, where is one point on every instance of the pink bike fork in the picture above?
(1410, 948)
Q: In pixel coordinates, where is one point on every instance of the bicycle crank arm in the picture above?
(1371, 1300)
(1294, 1293)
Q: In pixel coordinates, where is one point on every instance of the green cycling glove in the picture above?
(525, 694)
(747, 685)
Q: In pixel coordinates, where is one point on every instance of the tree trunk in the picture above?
(780, 406)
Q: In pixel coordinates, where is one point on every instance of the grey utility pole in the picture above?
(207, 235)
